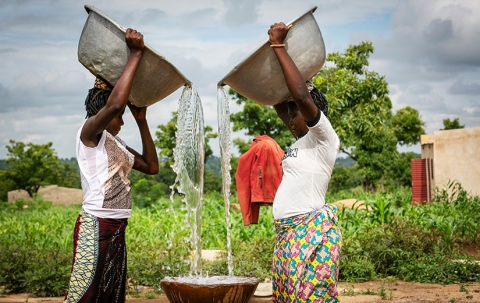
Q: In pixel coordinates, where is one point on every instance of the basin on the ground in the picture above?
(218, 289)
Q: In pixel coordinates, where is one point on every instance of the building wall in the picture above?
(428, 154)
(457, 157)
(58, 195)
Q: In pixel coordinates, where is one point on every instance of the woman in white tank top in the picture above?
(99, 263)
(308, 243)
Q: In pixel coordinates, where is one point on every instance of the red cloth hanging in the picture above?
(259, 173)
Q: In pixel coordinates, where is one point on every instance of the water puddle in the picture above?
(214, 280)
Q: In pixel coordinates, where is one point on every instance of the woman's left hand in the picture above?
(139, 113)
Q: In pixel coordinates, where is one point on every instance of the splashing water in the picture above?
(189, 154)
(217, 280)
(223, 112)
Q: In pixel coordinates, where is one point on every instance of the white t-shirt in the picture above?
(307, 168)
(104, 172)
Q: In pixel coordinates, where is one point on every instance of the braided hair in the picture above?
(319, 100)
(317, 96)
(96, 100)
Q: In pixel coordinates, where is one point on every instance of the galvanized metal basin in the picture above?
(103, 51)
(218, 289)
(259, 77)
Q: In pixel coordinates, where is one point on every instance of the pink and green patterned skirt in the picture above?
(306, 257)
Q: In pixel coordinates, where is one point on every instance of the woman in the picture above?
(307, 247)
(99, 255)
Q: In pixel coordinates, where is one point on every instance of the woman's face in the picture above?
(298, 126)
(115, 125)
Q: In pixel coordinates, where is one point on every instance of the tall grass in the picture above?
(392, 237)
(388, 237)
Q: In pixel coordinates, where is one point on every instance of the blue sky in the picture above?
(427, 50)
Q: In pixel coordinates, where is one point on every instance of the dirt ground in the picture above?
(369, 292)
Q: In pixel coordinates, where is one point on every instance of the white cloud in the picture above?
(426, 49)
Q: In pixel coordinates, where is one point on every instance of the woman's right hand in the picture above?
(277, 33)
(134, 40)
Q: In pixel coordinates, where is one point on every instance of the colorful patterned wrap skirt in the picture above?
(306, 257)
(99, 260)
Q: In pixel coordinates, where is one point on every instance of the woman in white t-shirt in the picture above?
(308, 243)
(99, 256)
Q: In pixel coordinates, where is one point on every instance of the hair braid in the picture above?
(96, 100)
(319, 100)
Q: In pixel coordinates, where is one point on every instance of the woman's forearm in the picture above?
(149, 153)
(293, 78)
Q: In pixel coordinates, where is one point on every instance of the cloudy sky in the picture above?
(428, 51)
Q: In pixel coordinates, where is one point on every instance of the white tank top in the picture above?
(307, 168)
(104, 173)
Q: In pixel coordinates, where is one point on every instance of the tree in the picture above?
(34, 165)
(166, 142)
(361, 113)
(257, 120)
(451, 124)
(6, 185)
(399, 172)
(407, 126)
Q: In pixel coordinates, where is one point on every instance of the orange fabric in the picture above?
(258, 176)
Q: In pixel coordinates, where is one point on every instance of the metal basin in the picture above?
(218, 289)
(103, 51)
(259, 77)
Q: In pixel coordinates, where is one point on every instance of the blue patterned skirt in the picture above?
(99, 260)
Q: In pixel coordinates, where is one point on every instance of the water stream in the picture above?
(189, 154)
(188, 165)
(223, 112)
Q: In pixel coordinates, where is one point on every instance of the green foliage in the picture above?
(3, 164)
(212, 182)
(361, 113)
(451, 124)
(166, 139)
(355, 268)
(388, 237)
(345, 162)
(415, 243)
(6, 185)
(34, 165)
(36, 247)
(399, 173)
(407, 126)
(70, 176)
(155, 243)
(258, 120)
(213, 164)
(147, 189)
(146, 192)
(344, 178)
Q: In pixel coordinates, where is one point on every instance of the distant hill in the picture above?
(72, 161)
(3, 165)
(345, 162)
(213, 164)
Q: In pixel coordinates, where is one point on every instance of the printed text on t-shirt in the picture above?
(290, 153)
